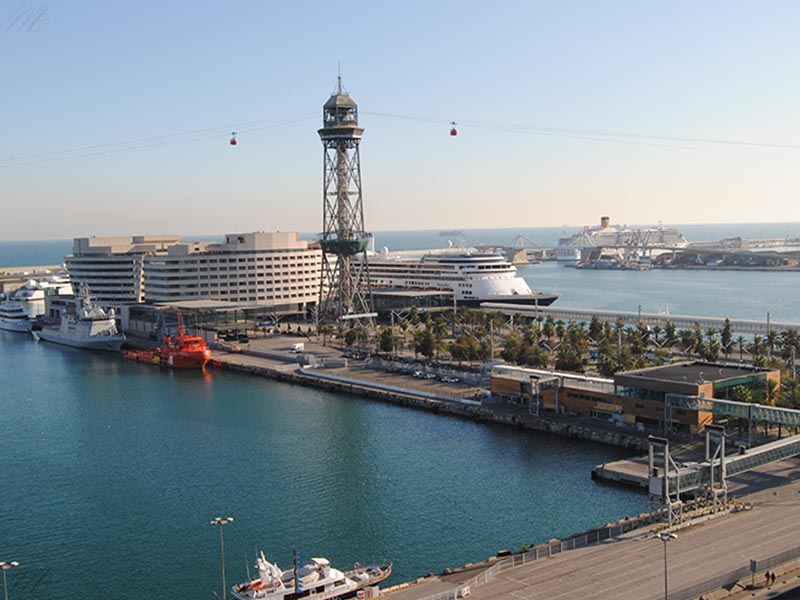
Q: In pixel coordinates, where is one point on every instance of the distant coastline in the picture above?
(47, 252)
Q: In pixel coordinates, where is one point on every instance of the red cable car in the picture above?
(453, 130)
(233, 138)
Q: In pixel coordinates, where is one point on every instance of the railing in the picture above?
(755, 567)
(580, 540)
(636, 317)
(752, 570)
(404, 390)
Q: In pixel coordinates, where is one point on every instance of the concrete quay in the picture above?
(631, 567)
(270, 357)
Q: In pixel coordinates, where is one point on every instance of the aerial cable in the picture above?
(540, 130)
(148, 142)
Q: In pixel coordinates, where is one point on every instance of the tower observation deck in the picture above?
(344, 284)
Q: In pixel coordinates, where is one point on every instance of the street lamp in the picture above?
(220, 521)
(666, 536)
(7, 566)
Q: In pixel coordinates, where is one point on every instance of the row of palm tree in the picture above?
(604, 347)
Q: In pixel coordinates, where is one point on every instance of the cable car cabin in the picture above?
(233, 139)
(453, 130)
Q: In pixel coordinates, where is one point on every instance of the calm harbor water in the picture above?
(732, 294)
(111, 471)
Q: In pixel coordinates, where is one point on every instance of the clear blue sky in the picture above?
(94, 73)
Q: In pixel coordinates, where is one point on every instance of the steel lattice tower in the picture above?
(344, 285)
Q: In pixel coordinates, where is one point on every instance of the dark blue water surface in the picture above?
(111, 471)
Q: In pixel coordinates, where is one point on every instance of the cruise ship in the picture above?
(473, 276)
(606, 235)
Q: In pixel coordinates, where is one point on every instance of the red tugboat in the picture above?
(181, 351)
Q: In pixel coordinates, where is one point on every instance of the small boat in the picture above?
(91, 327)
(14, 317)
(317, 579)
(181, 351)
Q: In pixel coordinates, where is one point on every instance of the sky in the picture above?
(115, 117)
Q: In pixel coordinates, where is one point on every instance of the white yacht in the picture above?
(473, 276)
(315, 580)
(28, 302)
(14, 318)
(90, 327)
(653, 240)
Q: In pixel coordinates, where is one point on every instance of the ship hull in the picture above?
(106, 343)
(534, 300)
(176, 361)
(18, 325)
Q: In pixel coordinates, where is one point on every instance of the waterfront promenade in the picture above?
(632, 567)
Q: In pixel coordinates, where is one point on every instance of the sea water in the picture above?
(111, 471)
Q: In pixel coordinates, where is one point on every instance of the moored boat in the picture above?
(317, 579)
(472, 276)
(23, 305)
(179, 351)
(91, 327)
(13, 317)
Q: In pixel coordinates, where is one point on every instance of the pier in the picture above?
(640, 317)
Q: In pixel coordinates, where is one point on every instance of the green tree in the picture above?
(387, 340)
(726, 337)
(424, 343)
(595, 329)
(512, 347)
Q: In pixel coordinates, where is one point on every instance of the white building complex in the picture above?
(113, 267)
(257, 269)
(264, 269)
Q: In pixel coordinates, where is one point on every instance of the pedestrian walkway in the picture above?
(633, 568)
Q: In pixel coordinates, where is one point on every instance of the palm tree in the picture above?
(741, 342)
(726, 337)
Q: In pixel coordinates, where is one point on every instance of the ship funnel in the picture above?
(605, 222)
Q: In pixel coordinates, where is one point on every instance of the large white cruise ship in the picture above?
(648, 239)
(473, 276)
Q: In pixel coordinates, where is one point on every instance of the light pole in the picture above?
(666, 536)
(7, 566)
(220, 521)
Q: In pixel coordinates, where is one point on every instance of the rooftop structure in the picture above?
(113, 266)
(633, 397)
(265, 269)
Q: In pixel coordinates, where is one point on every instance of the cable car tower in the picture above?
(344, 285)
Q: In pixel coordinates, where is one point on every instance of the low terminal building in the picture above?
(632, 397)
